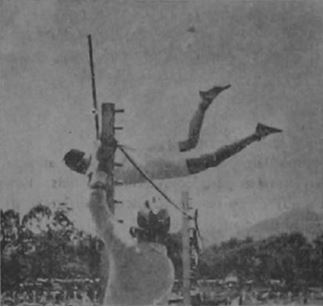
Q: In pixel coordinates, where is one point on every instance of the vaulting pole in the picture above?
(95, 105)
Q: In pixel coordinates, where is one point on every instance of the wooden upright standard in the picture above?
(186, 252)
(107, 151)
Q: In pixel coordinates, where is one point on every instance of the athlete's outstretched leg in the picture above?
(206, 161)
(196, 122)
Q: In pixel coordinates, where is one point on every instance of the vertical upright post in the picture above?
(186, 252)
(107, 151)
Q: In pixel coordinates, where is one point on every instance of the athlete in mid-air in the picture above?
(80, 162)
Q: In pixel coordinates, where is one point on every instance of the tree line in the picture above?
(290, 258)
(45, 243)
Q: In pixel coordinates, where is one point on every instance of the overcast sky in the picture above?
(151, 58)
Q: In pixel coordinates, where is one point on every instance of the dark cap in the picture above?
(76, 160)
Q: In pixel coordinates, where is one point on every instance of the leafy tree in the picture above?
(10, 249)
(46, 244)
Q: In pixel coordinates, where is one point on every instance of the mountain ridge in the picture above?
(304, 220)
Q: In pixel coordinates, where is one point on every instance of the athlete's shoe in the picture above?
(263, 130)
(211, 94)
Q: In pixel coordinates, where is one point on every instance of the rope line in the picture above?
(131, 160)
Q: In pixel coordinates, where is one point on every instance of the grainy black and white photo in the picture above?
(164, 152)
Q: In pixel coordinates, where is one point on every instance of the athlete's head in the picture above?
(77, 161)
